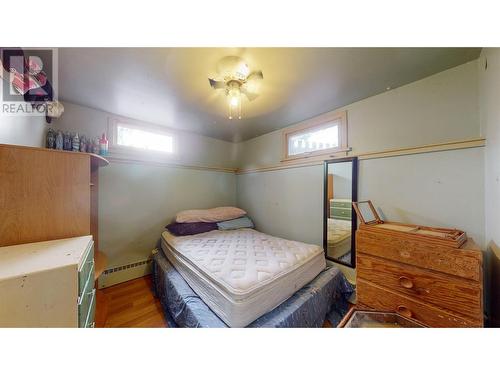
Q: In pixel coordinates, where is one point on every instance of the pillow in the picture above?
(211, 215)
(242, 222)
(186, 229)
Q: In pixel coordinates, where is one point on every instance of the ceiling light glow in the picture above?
(234, 101)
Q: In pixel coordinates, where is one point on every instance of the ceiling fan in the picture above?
(235, 78)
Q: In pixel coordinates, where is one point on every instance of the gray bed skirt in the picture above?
(324, 298)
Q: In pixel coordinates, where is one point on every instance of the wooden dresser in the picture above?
(433, 275)
(48, 284)
(436, 285)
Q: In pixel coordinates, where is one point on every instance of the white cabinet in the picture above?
(48, 284)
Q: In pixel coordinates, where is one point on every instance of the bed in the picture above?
(242, 277)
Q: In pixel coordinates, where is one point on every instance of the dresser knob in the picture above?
(405, 282)
(405, 311)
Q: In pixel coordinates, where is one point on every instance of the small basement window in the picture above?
(136, 138)
(321, 135)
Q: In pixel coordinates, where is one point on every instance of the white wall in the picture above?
(489, 93)
(21, 130)
(439, 108)
(440, 188)
(489, 83)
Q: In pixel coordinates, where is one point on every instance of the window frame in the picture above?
(129, 151)
(317, 122)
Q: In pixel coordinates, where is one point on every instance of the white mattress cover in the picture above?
(242, 274)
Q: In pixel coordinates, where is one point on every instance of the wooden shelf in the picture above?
(100, 260)
(98, 161)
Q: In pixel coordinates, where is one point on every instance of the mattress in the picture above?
(338, 238)
(343, 200)
(242, 274)
(324, 298)
(338, 231)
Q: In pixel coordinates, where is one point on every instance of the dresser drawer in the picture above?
(378, 298)
(341, 204)
(340, 213)
(90, 323)
(458, 262)
(86, 305)
(86, 270)
(453, 293)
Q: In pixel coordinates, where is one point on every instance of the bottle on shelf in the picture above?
(59, 140)
(76, 143)
(103, 145)
(51, 139)
(67, 141)
(95, 146)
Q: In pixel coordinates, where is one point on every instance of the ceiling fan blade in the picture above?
(256, 75)
(250, 95)
(216, 84)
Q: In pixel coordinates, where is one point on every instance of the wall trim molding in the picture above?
(436, 147)
(131, 160)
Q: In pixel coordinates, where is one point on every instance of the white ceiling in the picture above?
(169, 86)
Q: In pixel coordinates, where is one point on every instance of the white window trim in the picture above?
(317, 122)
(127, 152)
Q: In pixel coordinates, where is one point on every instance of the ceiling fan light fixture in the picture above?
(236, 79)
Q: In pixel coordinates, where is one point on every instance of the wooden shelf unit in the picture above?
(48, 195)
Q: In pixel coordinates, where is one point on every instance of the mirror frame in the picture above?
(326, 208)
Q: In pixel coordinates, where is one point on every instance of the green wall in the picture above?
(444, 189)
(136, 201)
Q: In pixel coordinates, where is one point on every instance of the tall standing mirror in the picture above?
(339, 224)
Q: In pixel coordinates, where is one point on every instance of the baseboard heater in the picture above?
(125, 272)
